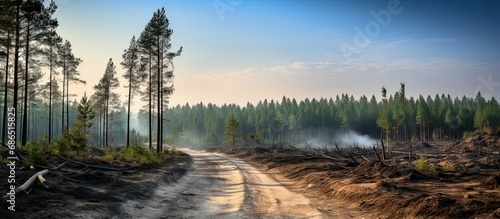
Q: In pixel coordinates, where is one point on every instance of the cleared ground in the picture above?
(225, 187)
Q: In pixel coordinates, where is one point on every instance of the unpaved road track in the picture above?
(225, 187)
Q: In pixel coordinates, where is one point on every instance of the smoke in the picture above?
(137, 126)
(342, 139)
(350, 138)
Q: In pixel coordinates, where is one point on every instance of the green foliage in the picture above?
(384, 120)
(254, 138)
(139, 155)
(232, 132)
(446, 169)
(466, 135)
(175, 136)
(76, 140)
(424, 166)
(212, 139)
(61, 146)
(136, 137)
(36, 153)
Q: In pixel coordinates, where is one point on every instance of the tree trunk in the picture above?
(51, 70)
(67, 103)
(106, 119)
(160, 78)
(158, 138)
(24, 137)
(128, 107)
(5, 94)
(16, 64)
(150, 101)
(63, 91)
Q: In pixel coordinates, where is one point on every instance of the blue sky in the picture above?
(246, 51)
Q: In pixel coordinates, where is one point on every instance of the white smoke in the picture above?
(344, 139)
(351, 138)
(135, 124)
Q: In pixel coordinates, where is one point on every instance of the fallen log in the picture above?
(51, 168)
(24, 187)
(44, 182)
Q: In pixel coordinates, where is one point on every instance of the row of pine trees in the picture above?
(148, 62)
(39, 69)
(395, 117)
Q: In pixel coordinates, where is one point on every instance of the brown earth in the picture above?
(463, 182)
(458, 180)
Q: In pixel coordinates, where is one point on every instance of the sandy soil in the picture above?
(225, 187)
(204, 185)
(291, 183)
(381, 190)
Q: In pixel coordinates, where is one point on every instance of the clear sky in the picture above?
(239, 51)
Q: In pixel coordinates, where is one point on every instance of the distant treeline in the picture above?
(291, 121)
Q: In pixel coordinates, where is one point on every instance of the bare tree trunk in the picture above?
(150, 101)
(158, 138)
(106, 120)
(24, 137)
(128, 107)
(50, 95)
(383, 150)
(63, 91)
(16, 63)
(67, 103)
(5, 94)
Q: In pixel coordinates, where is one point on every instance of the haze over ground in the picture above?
(246, 51)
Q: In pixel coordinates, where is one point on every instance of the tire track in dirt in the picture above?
(223, 187)
(213, 189)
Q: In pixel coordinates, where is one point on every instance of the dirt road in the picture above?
(225, 187)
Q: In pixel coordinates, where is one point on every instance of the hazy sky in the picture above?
(239, 51)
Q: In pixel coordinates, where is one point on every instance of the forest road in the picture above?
(224, 187)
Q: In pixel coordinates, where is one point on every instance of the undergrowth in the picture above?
(424, 166)
(139, 155)
(36, 153)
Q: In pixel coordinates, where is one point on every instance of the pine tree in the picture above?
(80, 131)
(52, 41)
(403, 110)
(7, 28)
(155, 40)
(104, 91)
(423, 114)
(130, 62)
(450, 119)
(69, 64)
(232, 131)
(383, 120)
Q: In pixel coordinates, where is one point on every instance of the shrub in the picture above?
(139, 155)
(61, 146)
(446, 169)
(36, 154)
(466, 135)
(424, 166)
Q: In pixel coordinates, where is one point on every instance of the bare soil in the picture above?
(462, 181)
(464, 184)
(91, 193)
